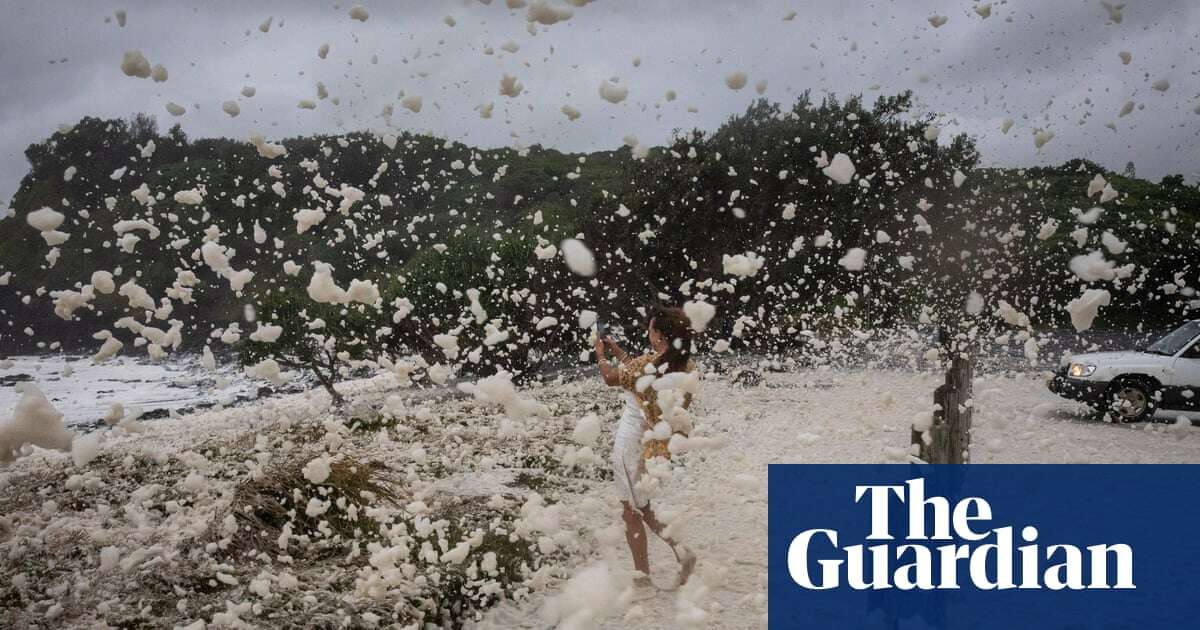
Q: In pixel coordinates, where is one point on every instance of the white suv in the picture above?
(1131, 385)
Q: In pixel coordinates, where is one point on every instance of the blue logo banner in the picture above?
(1068, 547)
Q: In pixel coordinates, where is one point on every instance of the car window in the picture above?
(1192, 352)
(1175, 340)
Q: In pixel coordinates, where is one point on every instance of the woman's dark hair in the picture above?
(673, 324)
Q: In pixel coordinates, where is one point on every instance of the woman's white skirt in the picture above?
(627, 453)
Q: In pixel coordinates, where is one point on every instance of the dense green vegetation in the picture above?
(660, 225)
(429, 195)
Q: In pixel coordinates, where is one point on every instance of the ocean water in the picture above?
(141, 386)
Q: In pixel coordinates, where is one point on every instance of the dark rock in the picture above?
(746, 378)
(12, 379)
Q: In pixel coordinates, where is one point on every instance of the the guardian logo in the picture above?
(974, 552)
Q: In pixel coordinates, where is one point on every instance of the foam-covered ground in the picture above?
(822, 417)
(122, 539)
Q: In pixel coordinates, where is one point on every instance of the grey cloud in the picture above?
(977, 72)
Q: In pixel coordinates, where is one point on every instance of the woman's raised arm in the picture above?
(610, 374)
(617, 351)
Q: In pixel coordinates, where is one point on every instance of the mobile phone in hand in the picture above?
(601, 329)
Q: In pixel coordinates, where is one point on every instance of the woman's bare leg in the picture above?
(635, 535)
(687, 559)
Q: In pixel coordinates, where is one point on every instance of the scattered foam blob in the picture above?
(1113, 244)
(636, 148)
(1108, 194)
(103, 282)
(121, 16)
(741, 265)
(249, 91)
(231, 108)
(854, 259)
(359, 12)
(175, 109)
(363, 292)
(1041, 138)
(307, 218)
(190, 197)
(736, 80)
(267, 149)
(34, 422)
(590, 596)
(974, 303)
(317, 470)
(412, 103)
(612, 92)
(45, 219)
(108, 349)
(269, 370)
(510, 86)
(1126, 57)
(543, 12)
(134, 64)
(1092, 267)
(499, 389)
(699, 314)
(587, 430)
(840, 169)
(322, 288)
(570, 112)
(1084, 308)
(323, 51)
(937, 21)
(1162, 85)
(207, 360)
(1114, 11)
(983, 10)
(266, 333)
(86, 448)
(1087, 217)
(579, 257)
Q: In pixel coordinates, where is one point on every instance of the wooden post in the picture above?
(950, 433)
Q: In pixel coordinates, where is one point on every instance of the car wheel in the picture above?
(1131, 401)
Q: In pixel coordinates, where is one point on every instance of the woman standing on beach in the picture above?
(651, 382)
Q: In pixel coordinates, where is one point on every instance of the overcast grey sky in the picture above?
(1046, 64)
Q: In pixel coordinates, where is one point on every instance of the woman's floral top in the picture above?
(630, 373)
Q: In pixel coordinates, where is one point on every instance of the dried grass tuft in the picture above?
(264, 505)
